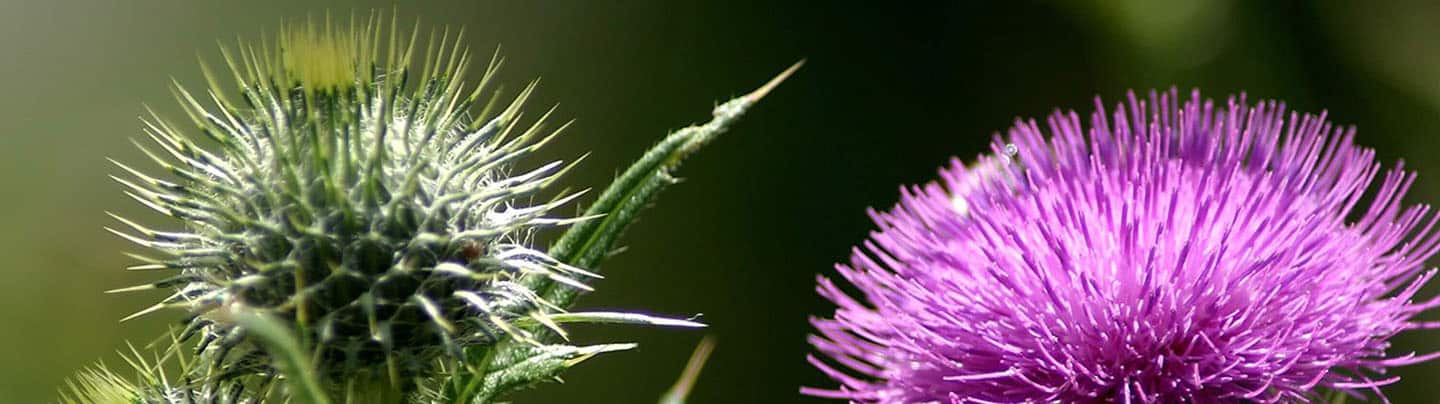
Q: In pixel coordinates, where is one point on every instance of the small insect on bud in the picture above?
(472, 250)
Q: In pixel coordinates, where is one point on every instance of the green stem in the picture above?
(681, 390)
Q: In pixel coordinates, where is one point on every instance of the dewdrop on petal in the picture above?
(1175, 251)
(972, 177)
(359, 190)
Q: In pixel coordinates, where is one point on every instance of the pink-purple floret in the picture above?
(1165, 253)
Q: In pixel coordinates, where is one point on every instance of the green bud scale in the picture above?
(360, 192)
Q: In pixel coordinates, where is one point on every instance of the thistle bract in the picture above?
(1170, 252)
(358, 192)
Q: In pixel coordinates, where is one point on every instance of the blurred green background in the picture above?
(890, 92)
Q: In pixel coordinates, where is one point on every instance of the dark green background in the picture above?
(890, 92)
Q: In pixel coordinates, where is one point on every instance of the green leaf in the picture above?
(548, 364)
(587, 243)
(290, 356)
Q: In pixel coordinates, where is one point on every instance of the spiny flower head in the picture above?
(1168, 253)
(354, 193)
(152, 383)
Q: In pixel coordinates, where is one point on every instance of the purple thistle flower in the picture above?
(1168, 253)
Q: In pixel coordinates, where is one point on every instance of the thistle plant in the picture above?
(1172, 252)
(359, 223)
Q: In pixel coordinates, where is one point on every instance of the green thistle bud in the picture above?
(355, 194)
(99, 384)
(153, 382)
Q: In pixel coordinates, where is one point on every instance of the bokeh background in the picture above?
(890, 92)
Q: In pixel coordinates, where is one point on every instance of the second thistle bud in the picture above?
(356, 195)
